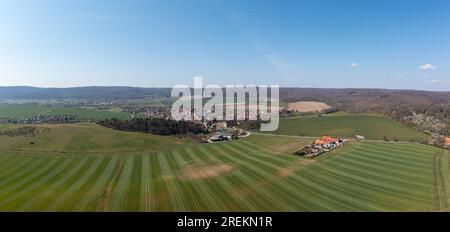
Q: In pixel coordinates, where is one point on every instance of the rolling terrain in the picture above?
(244, 175)
(86, 138)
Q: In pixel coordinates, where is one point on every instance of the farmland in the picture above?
(348, 125)
(19, 111)
(89, 114)
(87, 138)
(305, 106)
(242, 175)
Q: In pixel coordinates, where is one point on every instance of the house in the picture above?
(330, 139)
(327, 142)
(221, 125)
(321, 142)
(447, 141)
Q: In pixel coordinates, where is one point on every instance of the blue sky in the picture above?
(401, 44)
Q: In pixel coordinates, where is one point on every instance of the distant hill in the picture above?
(17, 91)
(352, 100)
(336, 96)
(92, 92)
(398, 104)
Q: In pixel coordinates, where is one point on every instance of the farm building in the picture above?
(359, 137)
(221, 137)
(320, 146)
(326, 141)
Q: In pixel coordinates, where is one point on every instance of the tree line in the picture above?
(26, 131)
(156, 126)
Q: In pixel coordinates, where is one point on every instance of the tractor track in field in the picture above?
(108, 191)
(440, 189)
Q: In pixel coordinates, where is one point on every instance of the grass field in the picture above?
(283, 145)
(3, 126)
(89, 114)
(348, 125)
(88, 138)
(243, 175)
(19, 111)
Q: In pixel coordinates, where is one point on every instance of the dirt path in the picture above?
(286, 136)
(348, 139)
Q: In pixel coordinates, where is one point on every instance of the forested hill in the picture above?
(286, 94)
(372, 100)
(92, 92)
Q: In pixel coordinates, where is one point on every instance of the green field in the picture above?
(89, 114)
(3, 126)
(87, 138)
(348, 125)
(20, 111)
(243, 175)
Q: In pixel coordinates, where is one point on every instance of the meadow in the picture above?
(87, 138)
(345, 125)
(243, 175)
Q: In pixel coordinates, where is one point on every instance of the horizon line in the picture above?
(281, 87)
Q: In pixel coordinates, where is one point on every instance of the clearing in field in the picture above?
(307, 106)
(195, 172)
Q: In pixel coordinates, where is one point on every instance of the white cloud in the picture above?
(427, 67)
(354, 65)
